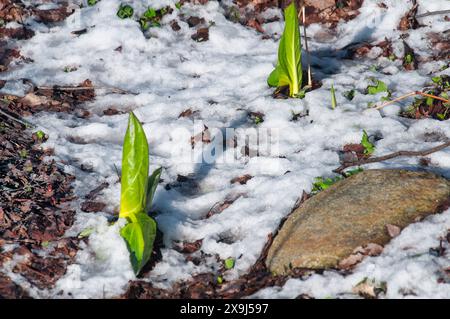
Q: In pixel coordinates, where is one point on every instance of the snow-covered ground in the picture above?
(166, 72)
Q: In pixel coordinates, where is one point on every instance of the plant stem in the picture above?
(16, 119)
(432, 13)
(392, 155)
(411, 94)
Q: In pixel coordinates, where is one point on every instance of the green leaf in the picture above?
(40, 135)
(369, 148)
(436, 79)
(321, 183)
(409, 58)
(258, 120)
(139, 236)
(333, 98)
(378, 87)
(289, 67)
(178, 5)
(150, 13)
(125, 11)
(92, 2)
(86, 232)
(134, 170)
(144, 24)
(274, 77)
(229, 263)
(350, 95)
(152, 183)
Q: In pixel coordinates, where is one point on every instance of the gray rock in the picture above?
(354, 212)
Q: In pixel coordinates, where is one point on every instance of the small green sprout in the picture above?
(40, 135)
(258, 120)
(409, 58)
(377, 87)
(229, 263)
(219, 280)
(350, 95)
(125, 11)
(178, 5)
(392, 57)
(288, 71)
(68, 69)
(92, 2)
(369, 148)
(150, 13)
(321, 183)
(333, 98)
(23, 153)
(45, 244)
(86, 232)
(152, 18)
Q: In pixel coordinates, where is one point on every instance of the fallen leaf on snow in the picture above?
(393, 230)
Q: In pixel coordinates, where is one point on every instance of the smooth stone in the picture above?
(352, 213)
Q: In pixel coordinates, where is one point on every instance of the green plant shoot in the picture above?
(369, 148)
(137, 192)
(229, 263)
(288, 71)
(378, 87)
(333, 98)
(125, 11)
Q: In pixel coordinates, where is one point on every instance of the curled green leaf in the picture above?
(369, 148)
(139, 236)
(134, 170)
(289, 67)
(152, 183)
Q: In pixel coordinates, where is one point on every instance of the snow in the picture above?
(165, 73)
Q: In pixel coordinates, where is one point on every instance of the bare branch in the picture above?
(432, 13)
(438, 148)
(411, 94)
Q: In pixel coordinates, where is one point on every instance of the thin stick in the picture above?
(432, 13)
(306, 46)
(395, 100)
(411, 94)
(16, 119)
(392, 155)
(78, 88)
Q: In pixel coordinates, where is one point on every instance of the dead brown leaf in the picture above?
(241, 179)
(393, 230)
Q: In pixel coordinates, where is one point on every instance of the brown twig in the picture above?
(438, 148)
(21, 122)
(427, 14)
(411, 94)
(78, 88)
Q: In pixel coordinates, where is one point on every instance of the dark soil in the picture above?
(328, 12)
(34, 210)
